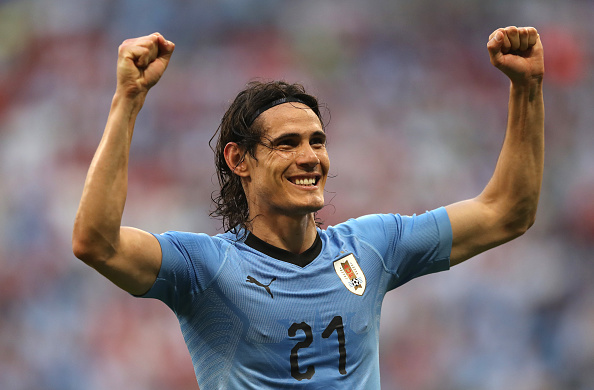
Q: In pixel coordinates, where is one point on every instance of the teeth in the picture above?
(305, 182)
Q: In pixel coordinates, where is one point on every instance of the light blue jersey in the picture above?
(257, 317)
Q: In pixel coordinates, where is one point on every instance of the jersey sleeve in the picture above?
(189, 263)
(410, 246)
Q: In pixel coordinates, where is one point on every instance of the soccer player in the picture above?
(275, 301)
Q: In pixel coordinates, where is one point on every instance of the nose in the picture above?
(307, 157)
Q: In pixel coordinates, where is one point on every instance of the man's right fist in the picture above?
(517, 52)
(141, 63)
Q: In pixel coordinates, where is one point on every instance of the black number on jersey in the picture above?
(334, 325)
(302, 344)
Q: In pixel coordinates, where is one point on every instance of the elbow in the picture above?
(531, 221)
(521, 224)
(529, 215)
(89, 250)
(81, 250)
(518, 230)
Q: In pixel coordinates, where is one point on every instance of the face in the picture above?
(290, 170)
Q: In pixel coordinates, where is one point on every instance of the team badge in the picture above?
(350, 274)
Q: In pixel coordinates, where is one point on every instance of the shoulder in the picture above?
(193, 259)
(381, 226)
(191, 243)
(371, 223)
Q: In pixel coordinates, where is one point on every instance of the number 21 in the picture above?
(335, 324)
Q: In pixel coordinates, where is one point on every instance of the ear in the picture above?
(235, 158)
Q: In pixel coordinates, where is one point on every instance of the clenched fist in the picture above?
(517, 52)
(141, 63)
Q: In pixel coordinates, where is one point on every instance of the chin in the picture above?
(299, 206)
(305, 209)
(312, 208)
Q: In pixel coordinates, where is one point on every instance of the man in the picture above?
(277, 302)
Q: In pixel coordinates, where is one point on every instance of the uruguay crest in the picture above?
(350, 274)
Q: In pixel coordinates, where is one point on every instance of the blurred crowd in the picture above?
(415, 119)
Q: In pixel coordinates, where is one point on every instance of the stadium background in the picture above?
(417, 119)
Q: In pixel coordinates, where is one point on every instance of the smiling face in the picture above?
(289, 173)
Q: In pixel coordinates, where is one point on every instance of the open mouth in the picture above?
(310, 181)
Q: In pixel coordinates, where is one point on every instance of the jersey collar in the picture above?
(301, 259)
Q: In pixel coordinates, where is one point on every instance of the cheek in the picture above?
(271, 171)
(283, 157)
(324, 161)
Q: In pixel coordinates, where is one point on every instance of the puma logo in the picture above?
(265, 286)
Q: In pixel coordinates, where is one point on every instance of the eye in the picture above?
(318, 141)
(286, 143)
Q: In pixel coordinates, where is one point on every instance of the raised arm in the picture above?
(507, 206)
(129, 257)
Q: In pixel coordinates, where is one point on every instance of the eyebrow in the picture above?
(317, 133)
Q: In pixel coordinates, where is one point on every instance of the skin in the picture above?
(129, 257)
(507, 206)
(282, 210)
(295, 148)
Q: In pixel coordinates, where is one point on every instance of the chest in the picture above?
(271, 296)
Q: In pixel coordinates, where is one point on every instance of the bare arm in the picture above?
(507, 206)
(128, 257)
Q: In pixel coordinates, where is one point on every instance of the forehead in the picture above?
(290, 117)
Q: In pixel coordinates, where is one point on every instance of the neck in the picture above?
(294, 234)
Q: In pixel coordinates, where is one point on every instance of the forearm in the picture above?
(98, 220)
(514, 189)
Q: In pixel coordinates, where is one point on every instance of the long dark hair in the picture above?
(239, 125)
